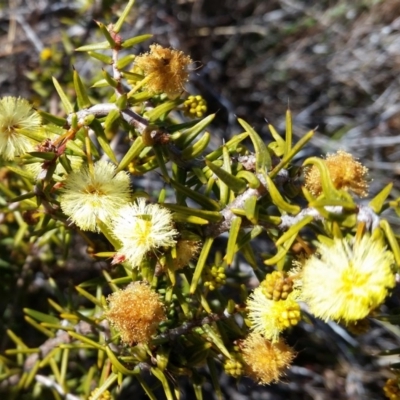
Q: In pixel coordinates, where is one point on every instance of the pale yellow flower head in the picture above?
(345, 281)
(142, 228)
(266, 361)
(89, 196)
(18, 123)
(270, 317)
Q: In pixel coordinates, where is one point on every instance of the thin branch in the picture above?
(102, 110)
(159, 136)
(216, 229)
(116, 73)
(62, 337)
(173, 334)
(30, 33)
(364, 214)
(51, 383)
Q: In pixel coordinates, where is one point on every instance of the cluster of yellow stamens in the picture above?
(194, 107)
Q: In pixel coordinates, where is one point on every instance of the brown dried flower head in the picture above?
(265, 361)
(186, 250)
(135, 312)
(346, 173)
(165, 69)
(391, 389)
(359, 327)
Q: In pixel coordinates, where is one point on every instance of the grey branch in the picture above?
(102, 110)
(51, 383)
(140, 124)
(175, 333)
(365, 214)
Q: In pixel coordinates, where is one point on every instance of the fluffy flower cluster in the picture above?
(265, 361)
(346, 174)
(186, 250)
(142, 228)
(270, 317)
(166, 70)
(18, 124)
(92, 195)
(135, 312)
(346, 280)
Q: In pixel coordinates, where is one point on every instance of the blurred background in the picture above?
(336, 64)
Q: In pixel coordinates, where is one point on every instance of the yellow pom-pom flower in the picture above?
(346, 280)
(165, 70)
(135, 312)
(89, 196)
(18, 123)
(269, 317)
(265, 361)
(142, 228)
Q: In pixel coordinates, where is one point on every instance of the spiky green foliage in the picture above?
(247, 188)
